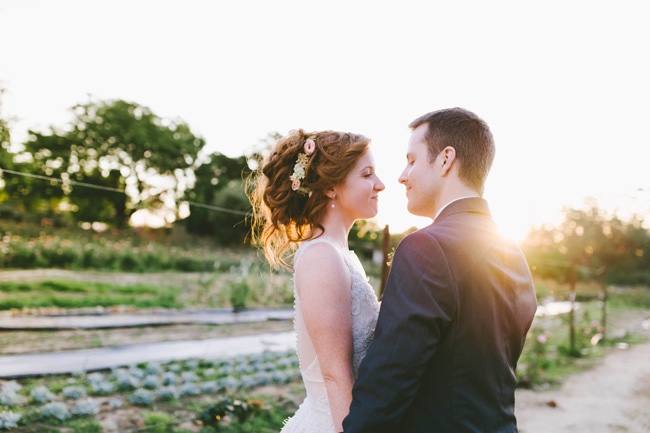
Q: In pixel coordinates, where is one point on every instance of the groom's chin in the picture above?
(413, 210)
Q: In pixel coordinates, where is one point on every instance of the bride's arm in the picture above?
(323, 283)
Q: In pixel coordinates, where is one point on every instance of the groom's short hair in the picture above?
(468, 134)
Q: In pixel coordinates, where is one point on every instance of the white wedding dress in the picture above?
(313, 415)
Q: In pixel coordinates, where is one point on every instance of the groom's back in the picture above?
(456, 309)
(469, 383)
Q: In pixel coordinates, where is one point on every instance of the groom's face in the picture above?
(420, 177)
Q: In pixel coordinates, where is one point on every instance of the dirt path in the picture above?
(612, 397)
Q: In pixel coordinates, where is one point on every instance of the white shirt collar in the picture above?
(450, 202)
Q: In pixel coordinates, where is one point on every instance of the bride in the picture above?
(311, 189)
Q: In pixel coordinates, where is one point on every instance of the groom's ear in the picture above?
(446, 159)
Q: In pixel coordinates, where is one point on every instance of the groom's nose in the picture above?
(402, 178)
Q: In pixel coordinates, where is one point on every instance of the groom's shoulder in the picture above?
(419, 239)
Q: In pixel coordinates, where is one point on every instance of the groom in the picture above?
(458, 302)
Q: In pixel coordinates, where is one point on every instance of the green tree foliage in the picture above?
(7, 181)
(600, 247)
(116, 145)
(5, 137)
(220, 186)
(6, 158)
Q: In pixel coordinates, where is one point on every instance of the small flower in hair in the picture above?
(310, 146)
(301, 166)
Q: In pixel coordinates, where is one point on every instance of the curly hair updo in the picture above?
(284, 216)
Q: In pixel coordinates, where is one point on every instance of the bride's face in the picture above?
(358, 196)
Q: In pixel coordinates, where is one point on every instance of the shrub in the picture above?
(102, 387)
(9, 419)
(56, 410)
(189, 389)
(74, 392)
(114, 403)
(87, 407)
(241, 410)
(153, 368)
(151, 382)
(209, 387)
(239, 293)
(169, 378)
(536, 361)
(125, 381)
(86, 426)
(95, 377)
(167, 393)
(159, 422)
(189, 376)
(41, 394)
(142, 397)
(9, 396)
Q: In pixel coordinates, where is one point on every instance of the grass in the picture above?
(76, 294)
(548, 358)
(173, 290)
(31, 246)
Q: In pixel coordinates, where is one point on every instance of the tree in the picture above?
(221, 184)
(10, 185)
(218, 202)
(600, 247)
(5, 136)
(117, 146)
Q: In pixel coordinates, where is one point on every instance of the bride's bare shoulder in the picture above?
(321, 267)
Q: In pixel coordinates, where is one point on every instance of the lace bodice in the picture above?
(314, 416)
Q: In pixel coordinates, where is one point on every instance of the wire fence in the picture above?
(117, 190)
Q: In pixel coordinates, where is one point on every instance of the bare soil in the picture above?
(24, 342)
(611, 397)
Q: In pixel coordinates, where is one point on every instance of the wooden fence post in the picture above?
(603, 294)
(572, 300)
(385, 245)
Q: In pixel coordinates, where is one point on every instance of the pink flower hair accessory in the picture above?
(310, 146)
(301, 166)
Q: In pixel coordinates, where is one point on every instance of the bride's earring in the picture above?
(333, 196)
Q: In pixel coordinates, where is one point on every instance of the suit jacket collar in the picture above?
(469, 204)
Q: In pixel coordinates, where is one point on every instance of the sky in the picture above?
(563, 84)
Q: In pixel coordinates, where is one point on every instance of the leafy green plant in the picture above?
(142, 397)
(9, 419)
(239, 293)
(9, 394)
(74, 392)
(85, 426)
(41, 394)
(159, 422)
(56, 409)
(536, 361)
(88, 407)
(229, 408)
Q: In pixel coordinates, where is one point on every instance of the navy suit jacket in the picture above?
(456, 309)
